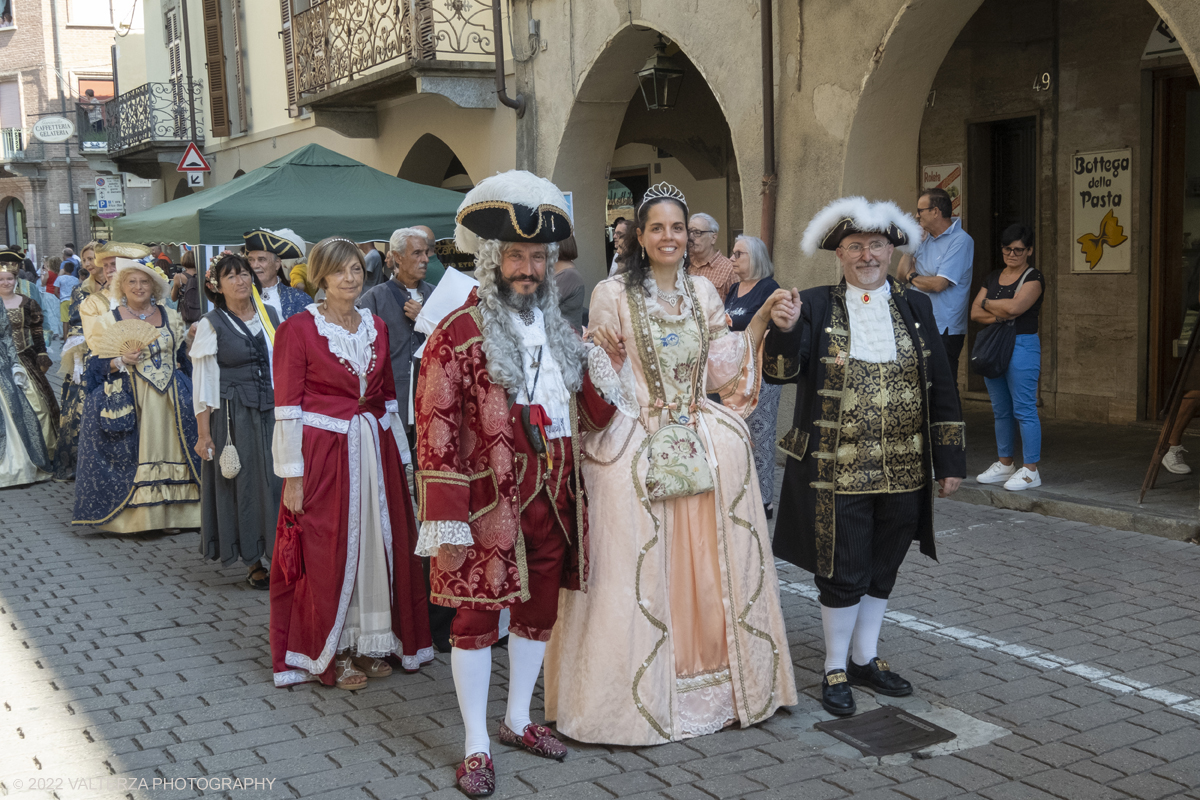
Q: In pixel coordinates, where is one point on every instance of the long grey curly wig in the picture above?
(502, 341)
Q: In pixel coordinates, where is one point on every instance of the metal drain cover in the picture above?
(885, 731)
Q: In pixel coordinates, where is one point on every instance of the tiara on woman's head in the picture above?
(661, 190)
(340, 239)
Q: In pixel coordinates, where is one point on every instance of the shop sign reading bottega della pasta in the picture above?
(1101, 211)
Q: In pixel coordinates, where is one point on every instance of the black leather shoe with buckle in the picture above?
(836, 696)
(877, 676)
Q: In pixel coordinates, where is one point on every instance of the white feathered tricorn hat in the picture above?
(513, 206)
(850, 215)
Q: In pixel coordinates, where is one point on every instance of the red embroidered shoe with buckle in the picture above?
(537, 739)
(475, 775)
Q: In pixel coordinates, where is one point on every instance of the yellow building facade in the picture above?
(871, 97)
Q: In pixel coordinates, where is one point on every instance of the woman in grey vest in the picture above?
(234, 401)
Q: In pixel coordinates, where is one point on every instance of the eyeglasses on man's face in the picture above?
(1014, 251)
(921, 211)
(695, 233)
(856, 249)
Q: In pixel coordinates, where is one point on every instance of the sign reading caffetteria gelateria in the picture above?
(53, 130)
(1101, 210)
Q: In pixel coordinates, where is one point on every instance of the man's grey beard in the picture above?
(516, 301)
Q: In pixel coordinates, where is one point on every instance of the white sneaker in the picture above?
(1024, 479)
(996, 473)
(1174, 462)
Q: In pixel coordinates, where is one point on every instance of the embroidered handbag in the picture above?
(231, 463)
(678, 464)
(993, 346)
(117, 414)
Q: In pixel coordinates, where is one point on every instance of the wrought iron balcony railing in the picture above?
(12, 143)
(337, 40)
(91, 122)
(154, 113)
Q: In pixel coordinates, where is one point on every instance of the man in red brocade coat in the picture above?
(505, 388)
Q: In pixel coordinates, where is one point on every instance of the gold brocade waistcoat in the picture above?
(881, 446)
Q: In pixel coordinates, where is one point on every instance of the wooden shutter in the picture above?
(214, 53)
(289, 58)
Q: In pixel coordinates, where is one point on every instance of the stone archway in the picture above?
(432, 162)
(181, 189)
(895, 89)
(606, 115)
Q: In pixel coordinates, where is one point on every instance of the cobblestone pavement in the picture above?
(135, 669)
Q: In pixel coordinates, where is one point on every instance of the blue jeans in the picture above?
(1014, 400)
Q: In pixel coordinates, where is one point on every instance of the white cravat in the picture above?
(872, 338)
(551, 391)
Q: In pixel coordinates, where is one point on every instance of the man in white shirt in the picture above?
(877, 427)
(398, 302)
(265, 250)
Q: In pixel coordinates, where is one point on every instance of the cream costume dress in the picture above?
(680, 632)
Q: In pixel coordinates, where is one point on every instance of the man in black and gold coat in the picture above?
(877, 425)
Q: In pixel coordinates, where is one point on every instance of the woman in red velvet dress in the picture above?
(347, 591)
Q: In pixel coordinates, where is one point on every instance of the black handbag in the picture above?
(993, 346)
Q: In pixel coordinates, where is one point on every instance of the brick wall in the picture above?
(29, 56)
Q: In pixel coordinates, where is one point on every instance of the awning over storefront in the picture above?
(314, 191)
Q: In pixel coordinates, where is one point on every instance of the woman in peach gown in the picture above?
(680, 631)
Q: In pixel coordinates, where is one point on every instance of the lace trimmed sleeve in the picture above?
(617, 388)
(435, 533)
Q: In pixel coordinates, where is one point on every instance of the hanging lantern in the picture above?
(660, 78)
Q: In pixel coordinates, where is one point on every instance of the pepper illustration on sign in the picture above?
(1111, 234)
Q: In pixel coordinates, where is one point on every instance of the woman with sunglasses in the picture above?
(1014, 394)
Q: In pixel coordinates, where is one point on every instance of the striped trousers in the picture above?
(873, 534)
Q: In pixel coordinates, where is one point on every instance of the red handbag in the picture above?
(288, 553)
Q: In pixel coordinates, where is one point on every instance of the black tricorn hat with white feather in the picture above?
(514, 206)
(850, 215)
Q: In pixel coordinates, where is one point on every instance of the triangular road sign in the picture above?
(192, 161)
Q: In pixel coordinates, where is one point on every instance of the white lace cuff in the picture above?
(617, 388)
(437, 532)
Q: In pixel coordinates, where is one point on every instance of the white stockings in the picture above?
(839, 628)
(866, 630)
(472, 670)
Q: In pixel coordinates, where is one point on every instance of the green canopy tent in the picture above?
(314, 191)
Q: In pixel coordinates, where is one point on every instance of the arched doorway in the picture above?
(432, 162)
(181, 189)
(239, 173)
(15, 231)
(1005, 94)
(613, 146)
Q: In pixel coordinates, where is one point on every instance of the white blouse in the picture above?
(872, 338)
(206, 372)
(287, 445)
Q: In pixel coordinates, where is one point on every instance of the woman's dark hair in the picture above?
(228, 264)
(1017, 232)
(635, 264)
(568, 250)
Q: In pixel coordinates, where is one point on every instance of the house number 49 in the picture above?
(1041, 83)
